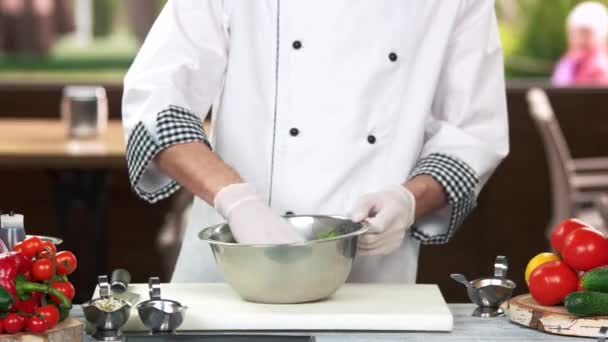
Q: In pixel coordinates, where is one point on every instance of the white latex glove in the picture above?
(251, 220)
(390, 214)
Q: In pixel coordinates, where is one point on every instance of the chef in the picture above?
(390, 112)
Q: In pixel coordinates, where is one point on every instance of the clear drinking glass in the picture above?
(11, 230)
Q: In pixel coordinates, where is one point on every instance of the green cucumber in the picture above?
(596, 280)
(587, 303)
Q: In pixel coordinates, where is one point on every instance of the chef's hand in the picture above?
(251, 220)
(390, 213)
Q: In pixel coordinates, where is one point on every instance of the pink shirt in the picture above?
(576, 69)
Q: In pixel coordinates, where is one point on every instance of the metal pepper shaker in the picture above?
(120, 280)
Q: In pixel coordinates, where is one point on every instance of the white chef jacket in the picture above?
(318, 102)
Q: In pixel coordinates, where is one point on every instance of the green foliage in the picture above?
(103, 17)
(544, 33)
(509, 39)
(541, 36)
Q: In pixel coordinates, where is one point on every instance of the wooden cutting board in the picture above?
(552, 319)
(70, 330)
(355, 307)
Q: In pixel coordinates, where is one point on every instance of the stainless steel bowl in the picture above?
(161, 315)
(490, 292)
(296, 273)
(106, 324)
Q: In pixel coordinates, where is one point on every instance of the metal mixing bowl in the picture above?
(296, 273)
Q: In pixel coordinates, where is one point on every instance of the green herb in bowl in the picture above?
(330, 234)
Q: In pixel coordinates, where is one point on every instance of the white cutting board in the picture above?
(355, 307)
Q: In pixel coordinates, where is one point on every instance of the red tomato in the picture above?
(49, 245)
(66, 262)
(42, 270)
(562, 230)
(14, 323)
(50, 313)
(18, 247)
(585, 249)
(66, 288)
(1, 325)
(36, 324)
(32, 246)
(44, 255)
(551, 282)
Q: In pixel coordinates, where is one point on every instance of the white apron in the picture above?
(316, 103)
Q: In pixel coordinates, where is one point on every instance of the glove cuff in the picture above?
(231, 196)
(409, 199)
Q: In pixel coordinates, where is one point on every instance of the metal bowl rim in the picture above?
(510, 283)
(52, 239)
(90, 302)
(364, 228)
(146, 302)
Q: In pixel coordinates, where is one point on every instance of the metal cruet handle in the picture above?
(154, 287)
(501, 266)
(104, 286)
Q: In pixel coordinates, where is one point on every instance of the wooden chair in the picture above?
(579, 186)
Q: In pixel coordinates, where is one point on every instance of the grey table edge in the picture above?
(466, 328)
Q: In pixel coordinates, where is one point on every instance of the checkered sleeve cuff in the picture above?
(174, 125)
(459, 182)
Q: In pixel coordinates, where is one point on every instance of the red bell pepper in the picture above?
(15, 270)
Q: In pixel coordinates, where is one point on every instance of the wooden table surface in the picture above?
(43, 143)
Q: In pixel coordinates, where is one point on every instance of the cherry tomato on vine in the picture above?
(36, 324)
(66, 262)
(14, 323)
(42, 270)
(50, 313)
(32, 246)
(51, 246)
(66, 288)
(18, 247)
(44, 255)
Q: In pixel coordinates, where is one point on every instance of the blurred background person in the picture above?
(31, 26)
(586, 61)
